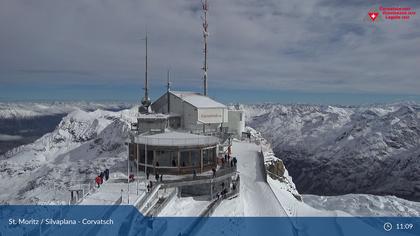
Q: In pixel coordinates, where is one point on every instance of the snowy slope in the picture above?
(256, 197)
(332, 150)
(275, 196)
(83, 144)
(365, 205)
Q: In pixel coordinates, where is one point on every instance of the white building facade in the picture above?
(196, 112)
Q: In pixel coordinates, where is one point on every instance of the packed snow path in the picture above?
(256, 197)
(110, 192)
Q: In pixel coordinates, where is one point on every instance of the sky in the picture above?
(313, 51)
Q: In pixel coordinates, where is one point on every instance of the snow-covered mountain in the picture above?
(365, 205)
(82, 145)
(332, 150)
(86, 142)
(21, 110)
(24, 122)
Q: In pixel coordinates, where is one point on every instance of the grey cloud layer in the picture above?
(312, 45)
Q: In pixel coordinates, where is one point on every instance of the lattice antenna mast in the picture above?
(146, 81)
(146, 100)
(168, 89)
(168, 81)
(205, 35)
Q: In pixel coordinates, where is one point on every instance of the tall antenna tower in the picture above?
(168, 81)
(205, 35)
(168, 89)
(146, 100)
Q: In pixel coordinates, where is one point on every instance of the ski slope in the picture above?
(256, 197)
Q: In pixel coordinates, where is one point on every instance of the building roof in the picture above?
(173, 138)
(197, 100)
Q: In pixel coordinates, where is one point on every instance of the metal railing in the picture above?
(175, 170)
(219, 173)
(144, 203)
(159, 206)
(177, 141)
(194, 227)
(87, 188)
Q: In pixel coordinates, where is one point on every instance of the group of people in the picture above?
(157, 176)
(228, 159)
(150, 184)
(222, 194)
(100, 178)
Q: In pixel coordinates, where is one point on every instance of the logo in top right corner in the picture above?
(373, 15)
(390, 13)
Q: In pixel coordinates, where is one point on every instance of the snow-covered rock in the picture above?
(274, 165)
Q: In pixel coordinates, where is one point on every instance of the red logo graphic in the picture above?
(389, 13)
(373, 15)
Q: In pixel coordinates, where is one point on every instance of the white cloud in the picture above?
(7, 137)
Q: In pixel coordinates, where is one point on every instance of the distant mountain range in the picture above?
(328, 150)
(333, 150)
(21, 110)
(24, 122)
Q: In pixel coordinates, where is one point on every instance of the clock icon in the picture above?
(387, 226)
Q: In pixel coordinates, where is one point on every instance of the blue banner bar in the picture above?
(127, 220)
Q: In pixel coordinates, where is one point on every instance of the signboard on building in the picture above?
(212, 115)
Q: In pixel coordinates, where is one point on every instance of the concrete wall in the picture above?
(204, 189)
(190, 116)
(160, 105)
(187, 112)
(236, 122)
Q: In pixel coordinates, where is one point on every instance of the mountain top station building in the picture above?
(182, 131)
(185, 133)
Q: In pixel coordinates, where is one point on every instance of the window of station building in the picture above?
(131, 151)
(190, 158)
(142, 156)
(185, 158)
(209, 156)
(195, 158)
(166, 158)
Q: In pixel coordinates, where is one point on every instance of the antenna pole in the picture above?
(168, 88)
(146, 85)
(205, 35)
(146, 100)
(168, 81)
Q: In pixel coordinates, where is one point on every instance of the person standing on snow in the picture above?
(106, 174)
(98, 180)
